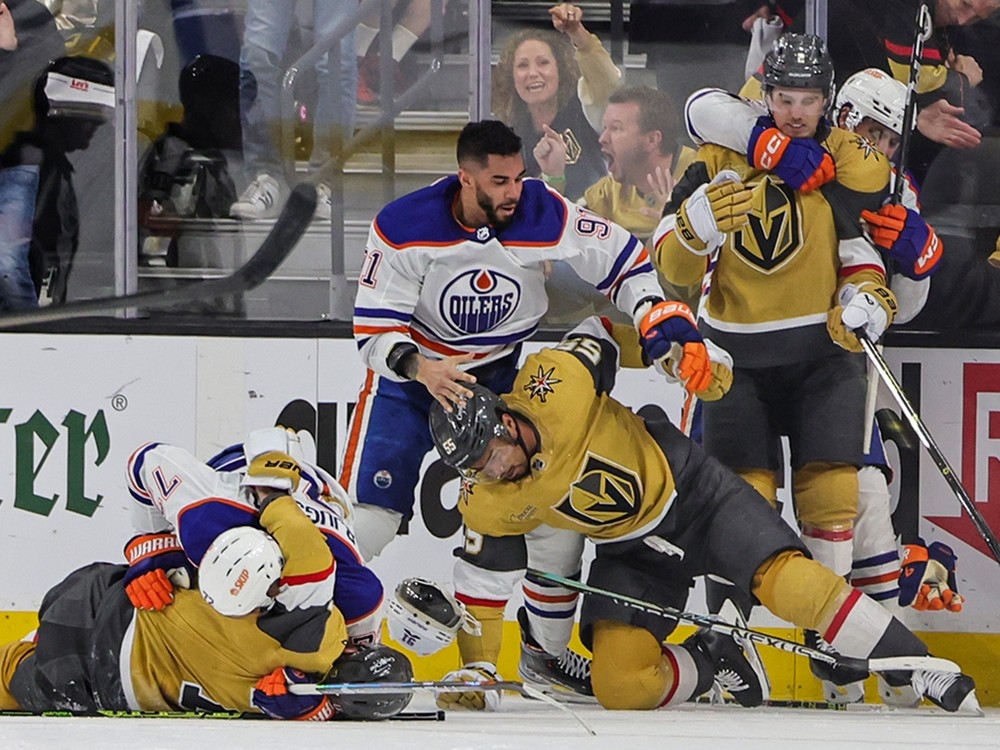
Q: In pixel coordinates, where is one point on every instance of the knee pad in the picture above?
(826, 500)
(631, 670)
(764, 481)
(799, 590)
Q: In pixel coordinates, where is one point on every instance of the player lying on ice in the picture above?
(558, 451)
(230, 646)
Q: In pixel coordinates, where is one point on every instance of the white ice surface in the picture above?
(524, 725)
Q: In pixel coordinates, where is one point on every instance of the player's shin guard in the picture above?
(876, 556)
(11, 656)
(826, 497)
(632, 671)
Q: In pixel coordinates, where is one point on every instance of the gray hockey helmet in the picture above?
(461, 437)
(799, 61)
(371, 664)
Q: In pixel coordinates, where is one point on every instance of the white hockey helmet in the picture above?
(424, 617)
(876, 94)
(238, 570)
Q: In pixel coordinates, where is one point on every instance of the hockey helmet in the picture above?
(799, 61)
(239, 569)
(78, 87)
(873, 93)
(424, 617)
(371, 664)
(461, 436)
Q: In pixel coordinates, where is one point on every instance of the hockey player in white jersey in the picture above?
(870, 104)
(181, 504)
(453, 281)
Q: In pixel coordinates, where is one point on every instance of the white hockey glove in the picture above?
(711, 211)
(475, 700)
(868, 306)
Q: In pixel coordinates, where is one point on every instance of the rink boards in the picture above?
(72, 408)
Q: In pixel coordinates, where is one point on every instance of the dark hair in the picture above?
(507, 105)
(480, 139)
(656, 112)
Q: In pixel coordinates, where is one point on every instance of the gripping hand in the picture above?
(801, 162)
(911, 242)
(475, 700)
(711, 211)
(868, 306)
(273, 469)
(271, 696)
(156, 563)
(927, 578)
(669, 337)
(722, 373)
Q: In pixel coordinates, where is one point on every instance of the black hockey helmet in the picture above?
(461, 437)
(371, 664)
(799, 61)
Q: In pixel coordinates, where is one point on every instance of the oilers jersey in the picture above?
(451, 289)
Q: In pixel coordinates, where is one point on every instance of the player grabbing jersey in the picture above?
(453, 281)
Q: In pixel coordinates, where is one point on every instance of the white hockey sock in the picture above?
(834, 549)
(685, 675)
(876, 555)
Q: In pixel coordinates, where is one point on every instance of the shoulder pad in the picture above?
(541, 217)
(422, 217)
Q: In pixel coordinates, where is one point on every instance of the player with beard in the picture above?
(453, 281)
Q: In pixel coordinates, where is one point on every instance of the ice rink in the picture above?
(528, 725)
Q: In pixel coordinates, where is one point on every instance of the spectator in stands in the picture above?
(71, 100)
(415, 20)
(553, 94)
(265, 38)
(29, 40)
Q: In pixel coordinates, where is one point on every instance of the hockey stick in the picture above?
(925, 437)
(438, 686)
(287, 231)
(887, 664)
(436, 715)
(925, 27)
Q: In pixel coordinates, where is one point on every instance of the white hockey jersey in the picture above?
(451, 289)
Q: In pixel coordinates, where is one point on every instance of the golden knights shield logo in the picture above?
(602, 494)
(773, 234)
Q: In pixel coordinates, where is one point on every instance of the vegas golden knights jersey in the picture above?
(597, 470)
(188, 657)
(767, 292)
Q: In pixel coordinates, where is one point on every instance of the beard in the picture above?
(488, 207)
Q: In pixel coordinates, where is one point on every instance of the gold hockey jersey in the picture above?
(767, 291)
(597, 470)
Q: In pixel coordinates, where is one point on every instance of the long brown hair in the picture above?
(507, 105)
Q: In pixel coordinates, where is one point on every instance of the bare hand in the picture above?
(443, 380)
(967, 66)
(568, 19)
(661, 184)
(761, 12)
(940, 122)
(8, 34)
(550, 152)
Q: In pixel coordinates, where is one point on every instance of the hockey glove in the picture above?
(156, 563)
(722, 373)
(273, 469)
(271, 696)
(927, 578)
(711, 211)
(868, 306)
(669, 337)
(475, 700)
(801, 162)
(911, 242)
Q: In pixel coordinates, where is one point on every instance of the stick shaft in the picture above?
(924, 28)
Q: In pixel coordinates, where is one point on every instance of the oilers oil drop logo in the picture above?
(479, 300)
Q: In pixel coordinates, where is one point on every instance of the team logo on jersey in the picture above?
(382, 479)
(573, 147)
(480, 300)
(540, 384)
(603, 494)
(866, 147)
(773, 234)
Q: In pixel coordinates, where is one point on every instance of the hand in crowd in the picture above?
(8, 35)
(444, 380)
(568, 19)
(762, 12)
(661, 184)
(550, 153)
(940, 121)
(967, 66)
